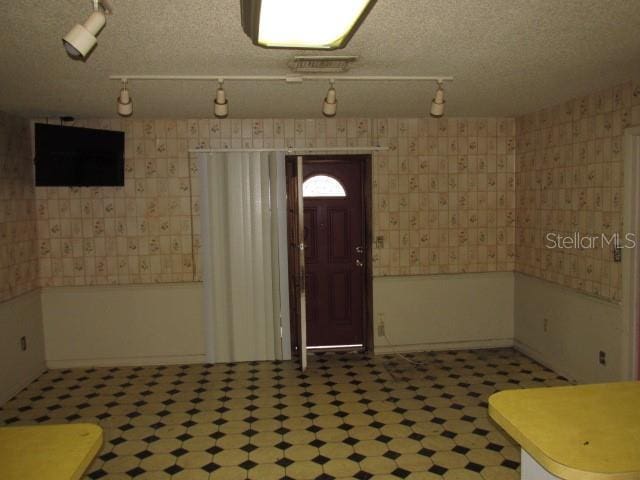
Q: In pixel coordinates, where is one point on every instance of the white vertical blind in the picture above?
(238, 262)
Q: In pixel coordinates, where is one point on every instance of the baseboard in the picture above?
(21, 386)
(537, 356)
(429, 347)
(125, 362)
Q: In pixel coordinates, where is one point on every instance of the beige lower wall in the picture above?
(473, 310)
(158, 324)
(21, 316)
(123, 325)
(579, 326)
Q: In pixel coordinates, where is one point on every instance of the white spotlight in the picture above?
(220, 103)
(125, 102)
(437, 104)
(330, 104)
(82, 38)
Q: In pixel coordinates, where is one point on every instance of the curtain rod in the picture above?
(287, 78)
(291, 149)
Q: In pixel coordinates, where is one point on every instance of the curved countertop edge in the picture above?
(82, 468)
(92, 429)
(553, 466)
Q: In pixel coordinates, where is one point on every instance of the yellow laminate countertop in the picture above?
(585, 432)
(52, 452)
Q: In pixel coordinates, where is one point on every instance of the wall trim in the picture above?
(80, 288)
(444, 276)
(20, 387)
(578, 326)
(33, 291)
(630, 257)
(566, 289)
(125, 361)
(23, 296)
(28, 378)
(440, 346)
(534, 354)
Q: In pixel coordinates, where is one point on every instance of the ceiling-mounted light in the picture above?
(315, 24)
(81, 39)
(330, 104)
(220, 103)
(125, 102)
(437, 104)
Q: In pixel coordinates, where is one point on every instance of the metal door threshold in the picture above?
(336, 348)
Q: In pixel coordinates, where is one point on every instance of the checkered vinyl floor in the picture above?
(348, 416)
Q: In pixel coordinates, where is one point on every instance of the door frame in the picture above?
(631, 257)
(366, 161)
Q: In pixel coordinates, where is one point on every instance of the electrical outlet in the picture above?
(617, 253)
(602, 357)
(381, 331)
(23, 343)
(545, 325)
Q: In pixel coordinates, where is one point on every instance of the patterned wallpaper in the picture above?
(450, 195)
(570, 179)
(139, 233)
(18, 244)
(444, 198)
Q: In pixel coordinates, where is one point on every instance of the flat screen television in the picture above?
(78, 157)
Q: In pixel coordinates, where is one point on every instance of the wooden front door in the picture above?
(335, 251)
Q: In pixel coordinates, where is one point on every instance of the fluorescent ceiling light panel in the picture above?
(315, 24)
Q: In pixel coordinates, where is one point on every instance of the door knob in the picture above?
(359, 249)
(359, 263)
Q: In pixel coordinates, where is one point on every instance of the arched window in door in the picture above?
(322, 186)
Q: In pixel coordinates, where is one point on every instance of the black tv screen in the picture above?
(78, 157)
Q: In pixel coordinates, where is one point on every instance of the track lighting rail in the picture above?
(329, 105)
(285, 78)
(291, 150)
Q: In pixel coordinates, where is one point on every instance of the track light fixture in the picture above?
(437, 104)
(125, 102)
(81, 39)
(330, 104)
(220, 103)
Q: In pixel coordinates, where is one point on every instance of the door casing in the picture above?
(630, 257)
(367, 300)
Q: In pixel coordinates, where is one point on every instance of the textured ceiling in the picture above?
(507, 56)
